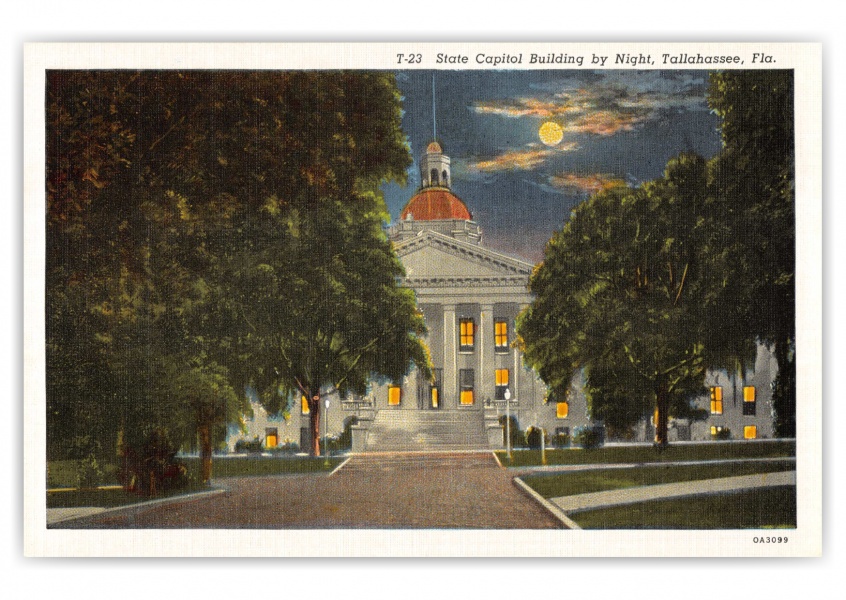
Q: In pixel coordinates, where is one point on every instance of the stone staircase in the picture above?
(426, 431)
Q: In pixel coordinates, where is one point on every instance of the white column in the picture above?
(450, 380)
(486, 355)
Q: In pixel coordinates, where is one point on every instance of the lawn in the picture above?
(650, 454)
(245, 466)
(62, 474)
(598, 480)
(107, 498)
(751, 509)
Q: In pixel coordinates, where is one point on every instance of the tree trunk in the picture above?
(784, 390)
(314, 422)
(663, 404)
(204, 434)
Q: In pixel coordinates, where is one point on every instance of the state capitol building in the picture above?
(470, 296)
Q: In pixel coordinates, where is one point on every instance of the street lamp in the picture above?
(326, 434)
(508, 422)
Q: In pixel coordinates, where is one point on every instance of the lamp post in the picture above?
(508, 422)
(326, 435)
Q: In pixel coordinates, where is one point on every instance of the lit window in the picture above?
(305, 407)
(467, 330)
(716, 400)
(562, 410)
(501, 336)
(271, 437)
(394, 395)
(749, 400)
(435, 389)
(750, 432)
(502, 377)
(466, 383)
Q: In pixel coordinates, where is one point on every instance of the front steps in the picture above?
(426, 431)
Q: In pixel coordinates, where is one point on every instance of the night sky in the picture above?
(618, 126)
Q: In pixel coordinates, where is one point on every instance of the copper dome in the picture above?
(435, 203)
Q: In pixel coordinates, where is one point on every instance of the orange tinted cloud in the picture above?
(591, 184)
(604, 122)
(522, 160)
(527, 107)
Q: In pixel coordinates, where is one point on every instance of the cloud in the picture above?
(605, 122)
(603, 103)
(520, 160)
(526, 107)
(585, 183)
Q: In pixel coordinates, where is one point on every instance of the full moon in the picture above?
(551, 133)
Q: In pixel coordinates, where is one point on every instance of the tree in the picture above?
(620, 294)
(325, 310)
(165, 191)
(754, 177)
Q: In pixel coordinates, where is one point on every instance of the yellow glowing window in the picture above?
(467, 331)
(501, 335)
(716, 400)
(466, 385)
(562, 409)
(271, 440)
(715, 430)
(435, 398)
(749, 394)
(502, 377)
(466, 397)
(305, 407)
(750, 432)
(394, 395)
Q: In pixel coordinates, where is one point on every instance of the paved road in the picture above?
(384, 491)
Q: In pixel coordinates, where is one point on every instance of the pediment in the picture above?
(434, 256)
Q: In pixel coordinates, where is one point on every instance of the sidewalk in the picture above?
(580, 502)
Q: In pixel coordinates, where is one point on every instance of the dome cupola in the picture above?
(434, 167)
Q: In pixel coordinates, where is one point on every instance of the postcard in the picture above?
(423, 300)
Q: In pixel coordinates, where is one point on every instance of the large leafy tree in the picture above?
(754, 179)
(323, 309)
(620, 295)
(159, 186)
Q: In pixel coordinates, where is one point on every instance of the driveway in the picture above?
(383, 491)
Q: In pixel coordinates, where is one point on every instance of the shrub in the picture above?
(85, 451)
(153, 468)
(533, 437)
(561, 440)
(345, 440)
(587, 437)
(722, 434)
(253, 446)
(518, 437)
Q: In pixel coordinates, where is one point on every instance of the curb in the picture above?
(339, 467)
(566, 468)
(157, 502)
(551, 508)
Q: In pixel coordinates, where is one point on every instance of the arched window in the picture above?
(445, 178)
(433, 177)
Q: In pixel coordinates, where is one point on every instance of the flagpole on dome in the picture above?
(434, 114)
